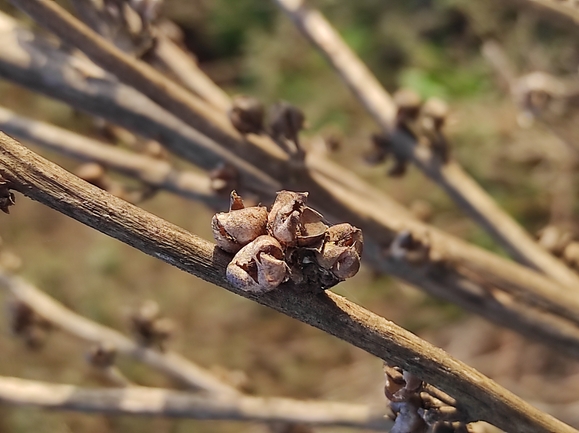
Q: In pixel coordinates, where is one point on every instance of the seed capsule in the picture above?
(7, 198)
(234, 229)
(259, 266)
(293, 223)
(284, 218)
(286, 121)
(247, 114)
(341, 251)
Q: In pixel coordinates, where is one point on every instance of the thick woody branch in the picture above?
(141, 401)
(172, 364)
(153, 172)
(477, 280)
(450, 176)
(43, 181)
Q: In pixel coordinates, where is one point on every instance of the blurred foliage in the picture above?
(248, 46)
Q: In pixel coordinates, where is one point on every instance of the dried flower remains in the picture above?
(421, 408)
(290, 242)
(7, 198)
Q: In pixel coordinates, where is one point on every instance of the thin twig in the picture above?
(174, 98)
(185, 69)
(450, 176)
(169, 363)
(36, 63)
(44, 181)
(153, 172)
(164, 52)
(564, 154)
(142, 401)
(175, 365)
(567, 9)
(475, 279)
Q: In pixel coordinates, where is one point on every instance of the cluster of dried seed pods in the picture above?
(420, 408)
(149, 328)
(7, 198)
(285, 121)
(28, 325)
(423, 121)
(290, 242)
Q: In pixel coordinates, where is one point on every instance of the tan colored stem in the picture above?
(185, 69)
(154, 172)
(178, 367)
(174, 98)
(169, 363)
(141, 401)
(450, 176)
(557, 8)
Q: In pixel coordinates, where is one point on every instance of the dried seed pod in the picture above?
(223, 178)
(7, 197)
(293, 223)
(259, 266)
(399, 168)
(149, 329)
(284, 219)
(407, 418)
(434, 114)
(312, 228)
(28, 325)
(341, 251)
(408, 247)
(246, 114)
(432, 119)
(234, 229)
(408, 103)
(101, 355)
(380, 151)
(285, 123)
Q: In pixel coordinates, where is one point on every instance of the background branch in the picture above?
(142, 401)
(172, 364)
(560, 9)
(153, 172)
(181, 369)
(450, 176)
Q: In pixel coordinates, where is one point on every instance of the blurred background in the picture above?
(248, 46)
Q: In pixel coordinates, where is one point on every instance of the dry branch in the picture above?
(567, 9)
(450, 176)
(182, 370)
(564, 151)
(477, 280)
(179, 63)
(172, 364)
(174, 98)
(153, 172)
(483, 399)
(40, 65)
(142, 401)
